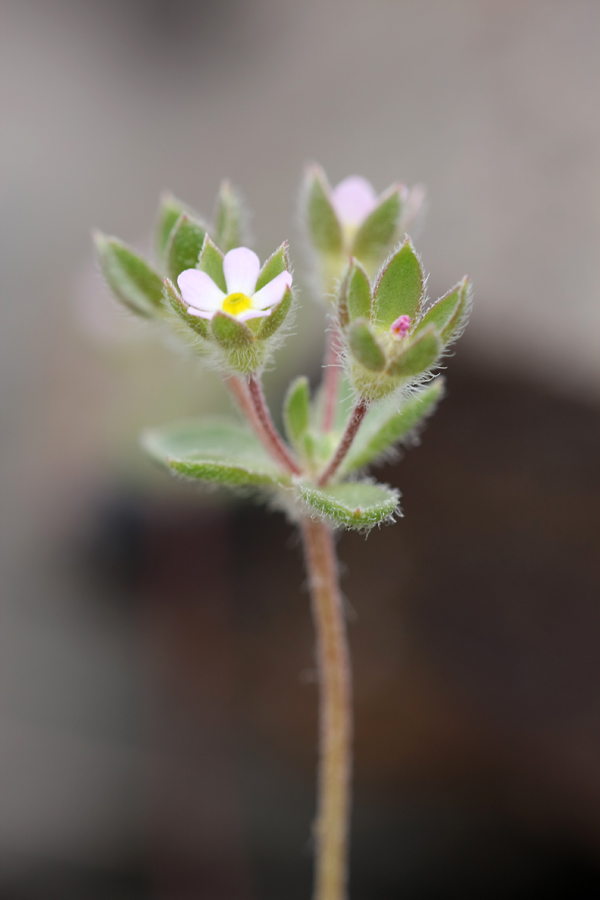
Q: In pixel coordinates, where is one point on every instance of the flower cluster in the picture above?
(209, 288)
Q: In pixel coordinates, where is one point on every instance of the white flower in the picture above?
(241, 268)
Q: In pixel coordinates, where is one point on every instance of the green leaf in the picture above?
(357, 504)
(211, 262)
(296, 410)
(378, 231)
(169, 211)
(354, 298)
(385, 425)
(172, 301)
(129, 277)
(443, 311)
(230, 333)
(277, 263)
(185, 245)
(364, 346)
(418, 355)
(399, 287)
(457, 324)
(219, 450)
(321, 221)
(273, 322)
(229, 218)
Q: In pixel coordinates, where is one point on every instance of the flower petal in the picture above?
(201, 313)
(353, 199)
(253, 314)
(241, 267)
(199, 290)
(272, 292)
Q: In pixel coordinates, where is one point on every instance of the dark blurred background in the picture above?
(157, 698)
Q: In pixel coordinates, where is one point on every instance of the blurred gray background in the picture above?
(492, 104)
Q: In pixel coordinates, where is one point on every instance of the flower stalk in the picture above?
(335, 715)
(271, 436)
(354, 423)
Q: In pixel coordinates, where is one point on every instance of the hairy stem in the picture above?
(358, 414)
(269, 434)
(239, 390)
(331, 380)
(333, 803)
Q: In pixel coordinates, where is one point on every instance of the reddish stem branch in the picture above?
(240, 392)
(358, 414)
(331, 380)
(269, 434)
(335, 713)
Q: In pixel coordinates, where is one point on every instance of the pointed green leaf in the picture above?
(364, 346)
(169, 210)
(172, 301)
(443, 311)
(296, 410)
(129, 277)
(218, 450)
(457, 324)
(418, 355)
(211, 262)
(229, 218)
(185, 245)
(377, 233)
(385, 426)
(321, 221)
(277, 263)
(357, 504)
(272, 323)
(399, 287)
(354, 298)
(230, 333)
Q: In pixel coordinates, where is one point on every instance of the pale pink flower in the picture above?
(241, 268)
(353, 200)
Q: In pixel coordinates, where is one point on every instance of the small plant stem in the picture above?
(358, 414)
(331, 380)
(239, 390)
(270, 436)
(335, 759)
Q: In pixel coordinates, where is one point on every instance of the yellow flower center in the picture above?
(235, 304)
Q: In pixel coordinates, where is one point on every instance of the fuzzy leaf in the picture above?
(277, 263)
(419, 355)
(399, 287)
(364, 346)
(443, 311)
(321, 221)
(385, 425)
(185, 245)
(129, 277)
(229, 218)
(296, 410)
(172, 301)
(378, 231)
(169, 211)
(230, 333)
(455, 327)
(357, 504)
(354, 300)
(211, 262)
(218, 450)
(273, 322)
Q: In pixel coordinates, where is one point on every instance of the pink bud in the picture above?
(400, 327)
